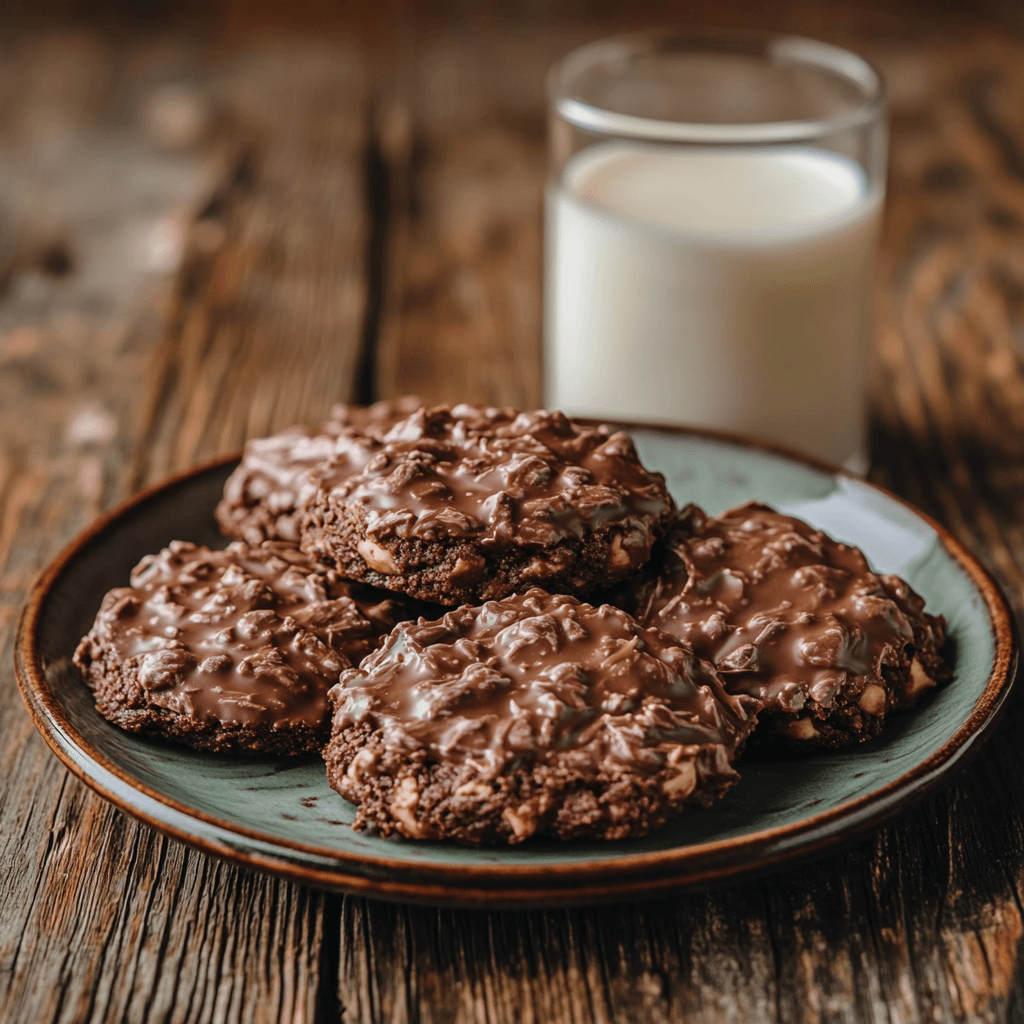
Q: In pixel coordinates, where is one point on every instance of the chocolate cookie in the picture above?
(263, 496)
(533, 715)
(230, 650)
(458, 505)
(795, 619)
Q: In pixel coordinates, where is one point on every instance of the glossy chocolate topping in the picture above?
(241, 636)
(264, 496)
(787, 614)
(501, 477)
(537, 675)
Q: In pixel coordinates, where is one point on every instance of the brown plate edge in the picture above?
(520, 885)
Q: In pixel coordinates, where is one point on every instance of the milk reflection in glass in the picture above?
(726, 288)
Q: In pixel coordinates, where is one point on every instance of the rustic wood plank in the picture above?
(101, 918)
(266, 328)
(462, 137)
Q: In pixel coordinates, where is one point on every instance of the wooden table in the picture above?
(216, 221)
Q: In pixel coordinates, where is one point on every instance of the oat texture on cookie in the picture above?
(462, 504)
(233, 649)
(794, 618)
(536, 714)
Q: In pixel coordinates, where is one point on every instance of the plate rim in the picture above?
(513, 885)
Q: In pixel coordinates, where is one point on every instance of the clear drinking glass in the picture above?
(711, 220)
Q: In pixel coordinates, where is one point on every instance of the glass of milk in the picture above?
(710, 225)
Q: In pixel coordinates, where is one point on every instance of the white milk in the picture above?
(727, 289)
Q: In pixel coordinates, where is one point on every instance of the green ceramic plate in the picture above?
(279, 815)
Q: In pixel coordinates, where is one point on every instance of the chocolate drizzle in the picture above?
(264, 497)
(502, 478)
(789, 615)
(244, 636)
(535, 677)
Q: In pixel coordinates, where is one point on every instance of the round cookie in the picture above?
(534, 715)
(795, 619)
(464, 504)
(230, 650)
(263, 497)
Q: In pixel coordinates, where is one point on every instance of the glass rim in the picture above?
(797, 50)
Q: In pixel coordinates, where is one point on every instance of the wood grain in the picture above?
(463, 152)
(266, 326)
(101, 919)
(208, 236)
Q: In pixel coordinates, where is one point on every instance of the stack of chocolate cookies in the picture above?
(496, 624)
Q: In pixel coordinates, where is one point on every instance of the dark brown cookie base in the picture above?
(233, 649)
(565, 798)
(122, 700)
(807, 606)
(454, 571)
(263, 496)
(534, 715)
(926, 662)
(860, 709)
(466, 504)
